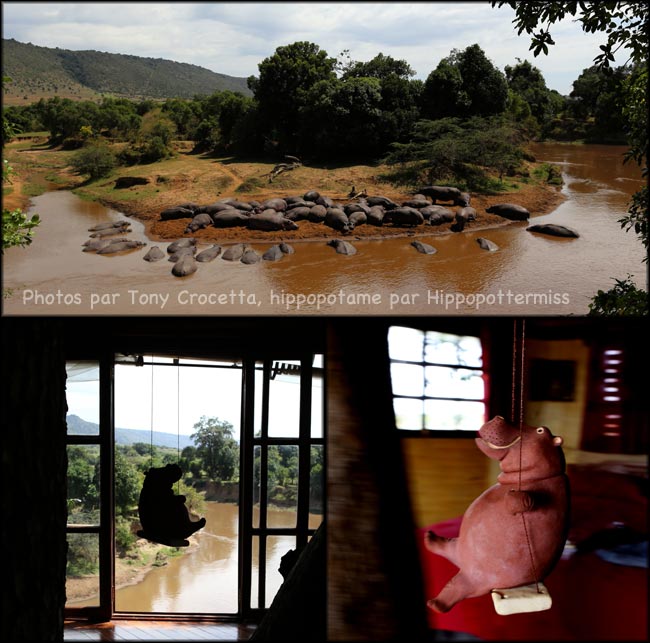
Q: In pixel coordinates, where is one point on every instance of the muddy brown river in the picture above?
(529, 274)
(204, 580)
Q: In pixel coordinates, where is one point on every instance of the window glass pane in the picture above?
(284, 399)
(453, 382)
(454, 416)
(405, 343)
(276, 548)
(82, 396)
(443, 348)
(82, 570)
(406, 379)
(408, 414)
(282, 486)
(83, 484)
(255, 574)
(316, 485)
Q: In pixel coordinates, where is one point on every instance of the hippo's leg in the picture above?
(458, 588)
(445, 547)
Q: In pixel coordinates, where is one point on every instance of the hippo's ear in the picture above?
(557, 441)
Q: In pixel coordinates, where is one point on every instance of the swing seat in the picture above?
(161, 540)
(525, 598)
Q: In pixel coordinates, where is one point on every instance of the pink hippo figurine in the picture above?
(494, 548)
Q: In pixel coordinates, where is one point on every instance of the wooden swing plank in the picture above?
(525, 598)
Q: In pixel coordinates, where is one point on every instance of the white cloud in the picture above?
(234, 37)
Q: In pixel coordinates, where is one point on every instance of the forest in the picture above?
(466, 115)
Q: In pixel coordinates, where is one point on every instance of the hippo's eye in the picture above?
(540, 429)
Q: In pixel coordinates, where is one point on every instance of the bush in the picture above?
(95, 160)
(124, 537)
(624, 299)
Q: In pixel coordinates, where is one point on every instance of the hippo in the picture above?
(509, 211)
(529, 504)
(424, 248)
(416, 203)
(458, 225)
(92, 245)
(213, 208)
(342, 247)
(298, 202)
(154, 254)
(468, 213)
(376, 215)
(311, 195)
(250, 256)
(209, 253)
(385, 202)
(190, 205)
(175, 246)
(273, 253)
(443, 215)
(486, 244)
(241, 205)
(120, 246)
(357, 218)
(337, 219)
(298, 214)
(100, 234)
(181, 252)
(325, 201)
(270, 220)
(554, 230)
(317, 214)
(185, 266)
(440, 193)
(107, 226)
(279, 205)
(234, 253)
(176, 213)
(286, 248)
(404, 217)
(361, 206)
(230, 218)
(463, 200)
(199, 222)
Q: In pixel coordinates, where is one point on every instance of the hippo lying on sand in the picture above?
(509, 211)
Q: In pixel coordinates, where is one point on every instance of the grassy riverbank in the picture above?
(205, 179)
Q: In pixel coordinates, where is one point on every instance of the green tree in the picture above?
(96, 160)
(528, 82)
(282, 89)
(216, 447)
(127, 484)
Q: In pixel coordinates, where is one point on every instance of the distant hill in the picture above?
(42, 72)
(77, 426)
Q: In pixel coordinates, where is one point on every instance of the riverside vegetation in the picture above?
(368, 125)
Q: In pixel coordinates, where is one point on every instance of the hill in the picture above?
(78, 426)
(42, 72)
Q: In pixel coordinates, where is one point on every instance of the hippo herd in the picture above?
(283, 214)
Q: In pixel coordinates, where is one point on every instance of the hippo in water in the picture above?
(274, 253)
(342, 247)
(554, 230)
(175, 246)
(209, 253)
(154, 254)
(185, 266)
(234, 253)
(528, 505)
(424, 248)
(120, 246)
(486, 244)
(93, 245)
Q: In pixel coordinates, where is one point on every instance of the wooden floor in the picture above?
(155, 631)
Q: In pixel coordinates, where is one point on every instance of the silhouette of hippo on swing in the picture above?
(513, 534)
(163, 515)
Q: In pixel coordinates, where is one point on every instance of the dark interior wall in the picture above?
(33, 486)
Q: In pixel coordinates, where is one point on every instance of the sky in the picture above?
(234, 37)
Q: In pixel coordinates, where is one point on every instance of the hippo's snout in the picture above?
(498, 433)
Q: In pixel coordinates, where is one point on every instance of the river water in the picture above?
(205, 579)
(530, 274)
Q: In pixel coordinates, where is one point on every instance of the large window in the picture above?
(437, 380)
(249, 436)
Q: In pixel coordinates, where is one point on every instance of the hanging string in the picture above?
(178, 420)
(520, 389)
(151, 416)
